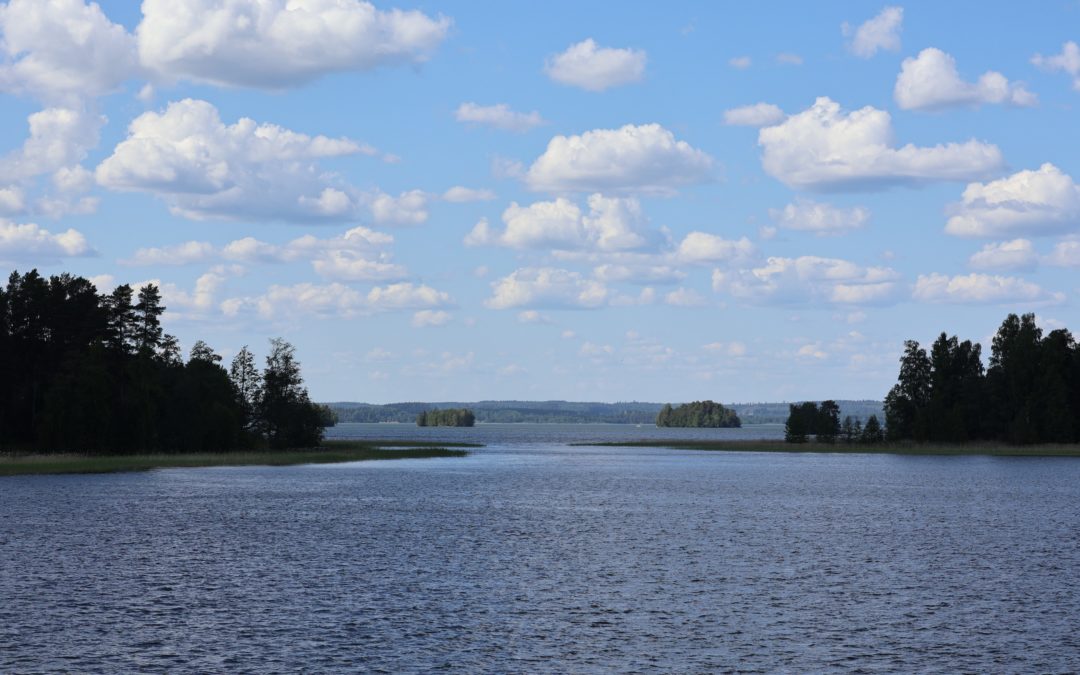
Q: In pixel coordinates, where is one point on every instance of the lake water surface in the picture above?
(532, 556)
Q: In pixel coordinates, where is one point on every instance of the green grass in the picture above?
(980, 448)
(330, 452)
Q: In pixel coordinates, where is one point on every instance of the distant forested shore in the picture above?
(92, 373)
(572, 412)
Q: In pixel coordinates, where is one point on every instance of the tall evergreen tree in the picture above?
(248, 384)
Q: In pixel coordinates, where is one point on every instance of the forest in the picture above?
(823, 423)
(698, 414)
(1029, 393)
(449, 417)
(92, 373)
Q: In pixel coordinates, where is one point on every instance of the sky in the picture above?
(463, 201)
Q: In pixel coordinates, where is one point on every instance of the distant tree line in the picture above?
(809, 419)
(95, 373)
(450, 417)
(1029, 394)
(505, 412)
(697, 414)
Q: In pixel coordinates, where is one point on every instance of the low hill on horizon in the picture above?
(580, 412)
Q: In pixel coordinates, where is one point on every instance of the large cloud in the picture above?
(547, 287)
(203, 169)
(29, 242)
(594, 68)
(807, 279)
(1068, 61)
(612, 224)
(1046, 201)
(979, 288)
(62, 50)
(499, 116)
(644, 159)
(279, 43)
(825, 148)
(932, 82)
(880, 32)
(821, 219)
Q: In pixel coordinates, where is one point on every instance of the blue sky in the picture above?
(553, 200)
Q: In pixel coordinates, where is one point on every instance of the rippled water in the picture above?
(536, 557)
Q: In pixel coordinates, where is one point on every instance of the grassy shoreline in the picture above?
(330, 452)
(943, 449)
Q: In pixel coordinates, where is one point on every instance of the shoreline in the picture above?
(331, 452)
(987, 449)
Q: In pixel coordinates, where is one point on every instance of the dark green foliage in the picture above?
(287, 416)
(96, 374)
(872, 432)
(801, 422)
(1029, 394)
(449, 417)
(820, 421)
(828, 422)
(698, 414)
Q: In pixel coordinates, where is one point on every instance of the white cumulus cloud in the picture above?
(546, 287)
(1017, 254)
(30, 242)
(426, 318)
(335, 300)
(807, 279)
(275, 44)
(203, 168)
(1067, 61)
(646, 159)
(1045, 201)
(61, 51)
(588, 66)
(703, 248)
(822, 219)
(459, 194)
(499, 116)
(612, 224)
(757, 115)
(1065, 254)
(879, 33)
(408, 208)
(931, 81)
(977, 288)
(825, 148)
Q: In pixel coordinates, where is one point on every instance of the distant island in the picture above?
(451, 417)
(699, 414)
(574, 412)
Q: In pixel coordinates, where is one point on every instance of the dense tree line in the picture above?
(822, 421)
(698, 414)
(95, 373)
(448, 417)
(1029, 394)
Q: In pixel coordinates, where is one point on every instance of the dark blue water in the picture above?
(537, 557)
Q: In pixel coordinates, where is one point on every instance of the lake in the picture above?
(532, 556)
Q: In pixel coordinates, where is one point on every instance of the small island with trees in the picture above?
(699, 414)
(449, 417)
